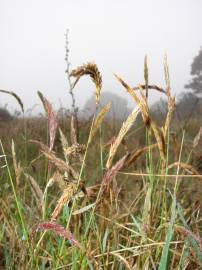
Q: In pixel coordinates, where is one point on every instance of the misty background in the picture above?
(114, 34)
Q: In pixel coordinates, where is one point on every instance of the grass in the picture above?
(110, 199)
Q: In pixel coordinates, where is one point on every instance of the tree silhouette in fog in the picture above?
(119, 108)
(5, 116)
(188, 105)
(196, 71)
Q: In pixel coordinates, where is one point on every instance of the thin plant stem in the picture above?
(15, 195)
(178, 167)
(78, 182)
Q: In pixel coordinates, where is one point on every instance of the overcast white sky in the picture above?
(116, 34)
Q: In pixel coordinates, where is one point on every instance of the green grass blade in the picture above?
(164, 256)
(15, 196)
(191, 240)
(16, 97)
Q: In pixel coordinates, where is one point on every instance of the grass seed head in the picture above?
(57, 229)
(98, 121)
(52, 119)
(124, 129)
(111, 173)
(90, 69)
(15, 96)
(197, 138)
(67, 195)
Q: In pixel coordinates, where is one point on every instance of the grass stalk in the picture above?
(17, 202)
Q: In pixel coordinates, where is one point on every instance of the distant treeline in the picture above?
(188, 106)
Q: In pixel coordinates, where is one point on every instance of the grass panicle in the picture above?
(102, 194)
(123, 131)
(90, 69)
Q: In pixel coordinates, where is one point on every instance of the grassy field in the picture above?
(97, 195)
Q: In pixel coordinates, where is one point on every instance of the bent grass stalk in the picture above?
(148, 227)
(78, 182)
(100, 190)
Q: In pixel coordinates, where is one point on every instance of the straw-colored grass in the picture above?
(72, 202)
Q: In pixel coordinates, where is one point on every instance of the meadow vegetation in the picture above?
(91, 194)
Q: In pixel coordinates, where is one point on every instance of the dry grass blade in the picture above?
(50, 182)
(15, 96)
(73, 133)
(147, 120)
(36, 189)
(171, 101)
(197, 138)
(167, 76)
(150, 87)
(64, 143)
(90, 69)
(184, 166)
(188, 233)
(162, 175)
(129, 90)
(111, 173)
(124, 129)
(93, 191)
(58, 229)
(99, 120)
(84, 209)
(63, 139)
(52, 124)
(137, 153)
(160, 141)
(143, 96)
(123, 260)
(42, 98)
(146, 75)
(174, 143)
(57, 178)
(110, 142)
(59, 163)
(52, 120)
(17, 167)
(141, 104)
(171, 107)
(67, 194)
(146, 216)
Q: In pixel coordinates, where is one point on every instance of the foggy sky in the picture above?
(113, 33)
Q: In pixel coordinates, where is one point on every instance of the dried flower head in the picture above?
(90, 69)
